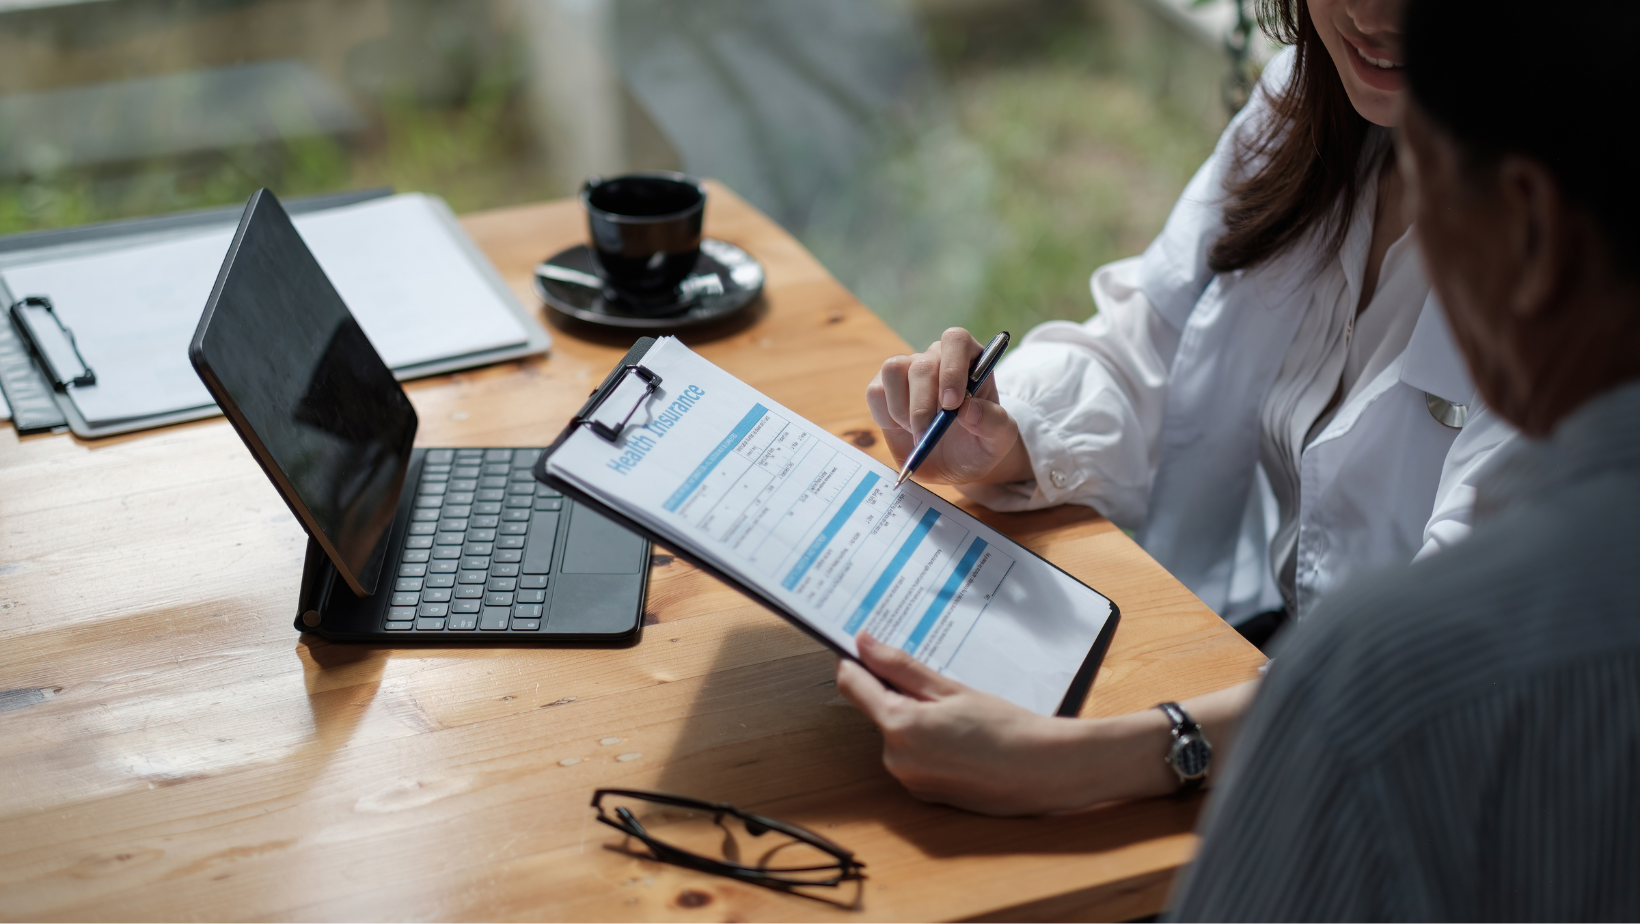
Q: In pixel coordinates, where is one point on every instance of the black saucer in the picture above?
(571, 304)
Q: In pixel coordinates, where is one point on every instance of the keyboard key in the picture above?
(430, 625)
(419, 542)
(481, 535)
(463, 623)
(496, 469)
(463, 497)
(494, 618)
(490, 494)
(526, 625)
(525, 457)
(489, 522)
(521, 487)
(488, 507)
(471, 577)
(533, 581)
(405, 583)
(440, 580)
(423, 528)
(494, 481)
(406, 598)
(447, 551)
(527, 611)
(464, 484)
(542, 490)
(518, 500)
(470, 454)
(531, 596)
(453, 525)
(509, 542)
(441, 567)
(399, 613)
(469, 591)
(498, 455)
(482, 549)
(494, 598)
(411, 569)
(501, 583)
(511, 556)
(464, 471)
(428, 501)
(440, 456)
(436, 595)
(458, 510)
(400, 626)
(474, 563)
(421, 516)
(538, 555)
(516, 515)
(451, 538)
(464, 606)
(549, 503)
(513, 529)
(433, 609)
(432, 487)
(428, 476)
(504, 570)
(417, 555)
(522, 474)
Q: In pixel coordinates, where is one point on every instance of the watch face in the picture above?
(1191, 756)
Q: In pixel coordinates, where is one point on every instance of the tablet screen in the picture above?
(306, 390)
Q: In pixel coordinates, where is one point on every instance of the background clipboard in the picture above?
(1075, 694)
(38, 407)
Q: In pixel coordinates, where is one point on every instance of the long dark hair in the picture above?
(1301, 170)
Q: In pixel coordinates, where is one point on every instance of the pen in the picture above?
(978, 371)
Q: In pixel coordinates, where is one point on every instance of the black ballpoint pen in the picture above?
(978, 371)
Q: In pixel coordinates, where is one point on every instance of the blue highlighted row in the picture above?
(714, 457)
(943, 598)
(830, 532)
(895, 565)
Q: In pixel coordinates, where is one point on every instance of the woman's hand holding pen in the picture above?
(909, 390)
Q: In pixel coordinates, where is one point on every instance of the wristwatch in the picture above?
(1190, 755)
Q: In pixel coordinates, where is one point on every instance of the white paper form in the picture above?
(714, 466)
(133, 310)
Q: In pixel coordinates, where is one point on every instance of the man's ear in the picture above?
(1540, 236)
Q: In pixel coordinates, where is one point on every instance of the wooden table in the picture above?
(171, 749)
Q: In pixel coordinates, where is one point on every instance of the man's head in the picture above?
(1515, 137)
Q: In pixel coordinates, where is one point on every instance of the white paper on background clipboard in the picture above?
(414, 289)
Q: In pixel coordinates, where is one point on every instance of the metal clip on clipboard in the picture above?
(634, 384)
(53, 342)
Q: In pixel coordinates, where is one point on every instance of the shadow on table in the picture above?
(774, 736)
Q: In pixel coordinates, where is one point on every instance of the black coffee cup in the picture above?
(646, 231)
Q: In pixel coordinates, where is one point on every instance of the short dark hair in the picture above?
(1571, 105)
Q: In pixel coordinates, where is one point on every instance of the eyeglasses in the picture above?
(716, 837)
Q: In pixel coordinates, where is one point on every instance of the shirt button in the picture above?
(1058, 478)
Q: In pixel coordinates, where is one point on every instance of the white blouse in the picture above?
(1117, 412)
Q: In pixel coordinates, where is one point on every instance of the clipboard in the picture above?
(41, 402)
(608, 424)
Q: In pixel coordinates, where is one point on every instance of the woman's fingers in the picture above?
(907, 674)
(894, 378)
(957, 351)
(988, 421)
(866, 692)
(923, 387)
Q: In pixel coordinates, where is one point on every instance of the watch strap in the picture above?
(1182, 722)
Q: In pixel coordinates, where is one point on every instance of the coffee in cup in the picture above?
(646, 230)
